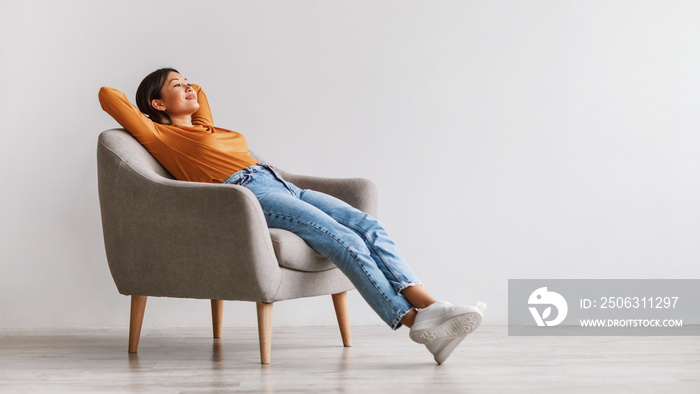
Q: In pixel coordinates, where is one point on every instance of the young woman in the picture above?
(179, 132)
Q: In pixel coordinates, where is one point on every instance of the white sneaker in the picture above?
(443, 320)
(441, 349)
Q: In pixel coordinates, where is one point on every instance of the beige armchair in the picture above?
(170, 238)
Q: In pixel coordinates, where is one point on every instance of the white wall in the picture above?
(508, 139)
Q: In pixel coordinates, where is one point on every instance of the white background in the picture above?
(508, 139)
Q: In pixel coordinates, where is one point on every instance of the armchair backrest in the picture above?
(125, 171)
(130, 152)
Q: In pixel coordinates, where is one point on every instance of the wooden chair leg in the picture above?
(138, 306)
(265, 331)
(217, 314)
(340, 302)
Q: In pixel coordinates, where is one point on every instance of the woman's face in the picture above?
(177, 97)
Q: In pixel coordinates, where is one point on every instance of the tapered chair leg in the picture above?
(138, 306)
(265, 331)
(340, 302)
(217, 314)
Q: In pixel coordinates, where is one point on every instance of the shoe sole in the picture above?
(457, 326)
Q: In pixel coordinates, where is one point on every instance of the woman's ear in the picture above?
(158, 105)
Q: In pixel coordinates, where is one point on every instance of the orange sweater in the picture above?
(202, 153)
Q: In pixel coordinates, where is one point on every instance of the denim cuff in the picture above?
(396, 324)
(404, 285)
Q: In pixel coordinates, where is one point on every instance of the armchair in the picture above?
(170, 238)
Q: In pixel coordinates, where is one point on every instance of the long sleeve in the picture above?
(203, 115)
(118, 106)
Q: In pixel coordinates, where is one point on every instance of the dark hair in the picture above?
(149, 89)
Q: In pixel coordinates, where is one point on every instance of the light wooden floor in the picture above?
(312, 359)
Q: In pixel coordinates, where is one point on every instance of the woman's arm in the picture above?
(203, 114)
(118, 106)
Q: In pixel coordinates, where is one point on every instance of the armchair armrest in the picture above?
(183, 239)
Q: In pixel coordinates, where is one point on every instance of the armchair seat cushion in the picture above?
(294, 253)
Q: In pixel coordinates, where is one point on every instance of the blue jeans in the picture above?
(353, 240)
